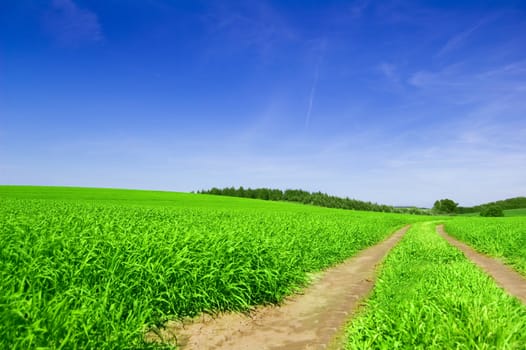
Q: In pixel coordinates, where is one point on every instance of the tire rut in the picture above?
(312, 320)
(508, 279)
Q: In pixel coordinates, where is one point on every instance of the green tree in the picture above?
(445, 206)
(492, 210)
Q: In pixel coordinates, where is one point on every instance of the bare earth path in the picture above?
(508, 279)
(312, 320)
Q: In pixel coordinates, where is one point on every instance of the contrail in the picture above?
(311, 97)
(314, 85)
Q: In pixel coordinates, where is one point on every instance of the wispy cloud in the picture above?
(392, 78)
(486, 86)
(472, 135)
(389, 70)
(358, 8)
(71, 25)
(258, 26)
(458, 172)
(458, 40)
(512, 69)
(452, 75)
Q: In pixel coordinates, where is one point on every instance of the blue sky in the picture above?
(397, 102)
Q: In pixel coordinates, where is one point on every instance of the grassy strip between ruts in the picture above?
(429, 296)
(503, 238)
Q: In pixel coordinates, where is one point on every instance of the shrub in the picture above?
(492, 211)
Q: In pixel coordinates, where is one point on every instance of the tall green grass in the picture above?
(95, 270)
(429, 296)
(503, 238)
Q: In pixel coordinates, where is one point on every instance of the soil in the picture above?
(314, 319)
(508, 279)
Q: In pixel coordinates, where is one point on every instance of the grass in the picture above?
(515, 212)
(138, 198)
(429, 296)
(470, 214)
(507, 213)
(94, 268)
(502, 238)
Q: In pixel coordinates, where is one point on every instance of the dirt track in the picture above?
(312, 320)
(508, 279)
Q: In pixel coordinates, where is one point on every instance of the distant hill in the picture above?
(506, 204)
(515, 212)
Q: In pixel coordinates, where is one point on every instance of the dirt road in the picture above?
(312, 320)
(506, 278)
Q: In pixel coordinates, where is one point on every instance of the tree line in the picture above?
(510, 203)
(448, 206)
(312, 198)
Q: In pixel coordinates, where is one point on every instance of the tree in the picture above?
(314, 198)
(445, 206)
(492, 210)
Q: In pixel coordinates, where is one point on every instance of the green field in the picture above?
(98, 268)
(429, 296)
(94, 268)
(515, 212)
(507, 212)
(503, 238)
